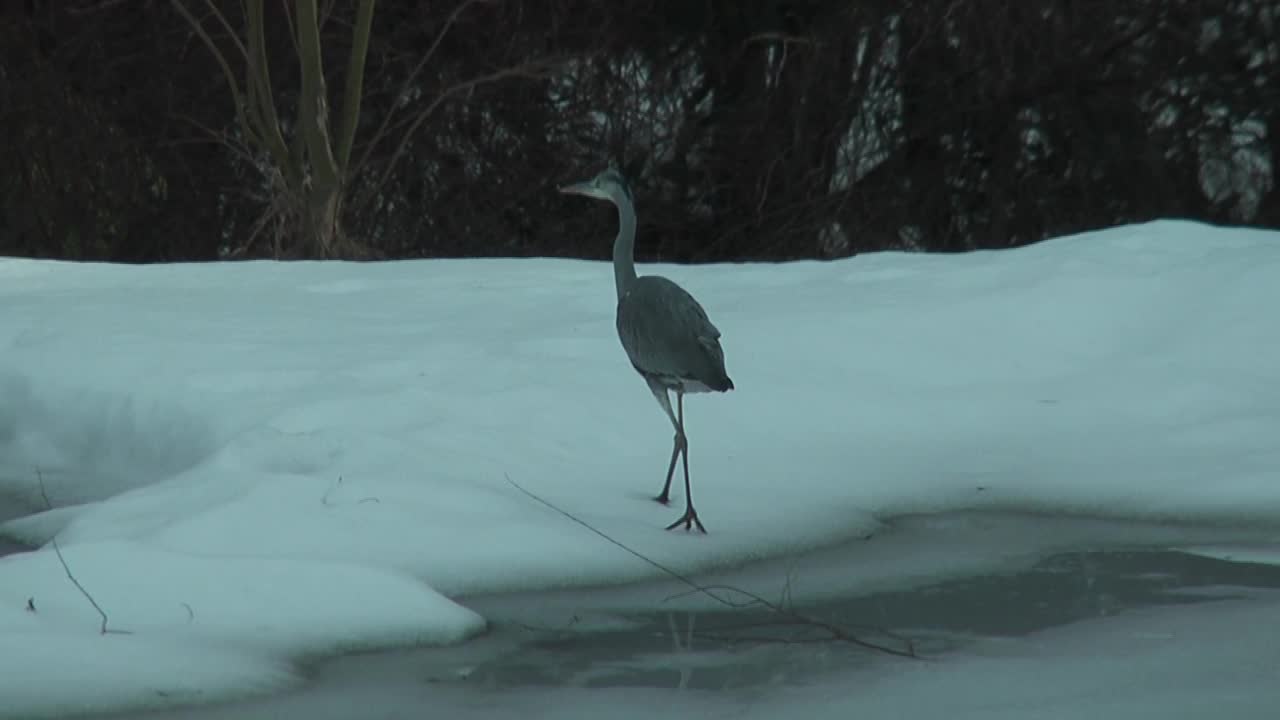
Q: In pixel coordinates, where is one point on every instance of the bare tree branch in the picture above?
(226, 25)
(408, 83)
(286, 6)
(355, 85)
(534, 69)
(262, 104)
(237, 99)
(313, 113)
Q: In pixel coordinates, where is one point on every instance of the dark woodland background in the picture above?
(164, 130)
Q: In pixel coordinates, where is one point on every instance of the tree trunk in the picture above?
(313, 169)
(322, 234)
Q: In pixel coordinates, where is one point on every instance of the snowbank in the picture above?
(307, 453)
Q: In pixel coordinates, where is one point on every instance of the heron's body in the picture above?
(667, 335)
(669, 338)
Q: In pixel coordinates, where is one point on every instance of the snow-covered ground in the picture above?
(255, 464)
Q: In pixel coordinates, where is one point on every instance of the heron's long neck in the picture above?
(624, 264)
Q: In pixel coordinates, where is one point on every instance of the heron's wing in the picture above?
(667, 333)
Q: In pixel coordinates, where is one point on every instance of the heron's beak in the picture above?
(582, 188)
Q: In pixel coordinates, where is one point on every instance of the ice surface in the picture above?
(1268, 554)
(344, 430)
(1193, 662)
(1187, 662)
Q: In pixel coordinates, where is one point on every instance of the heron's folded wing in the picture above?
(666, 332)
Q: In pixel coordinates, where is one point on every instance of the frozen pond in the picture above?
(1012, 616)
(10, 508)
(8, 548)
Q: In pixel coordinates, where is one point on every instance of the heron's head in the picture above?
(608, 185)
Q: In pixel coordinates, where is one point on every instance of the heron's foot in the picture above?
(664, 498)
(689, 519)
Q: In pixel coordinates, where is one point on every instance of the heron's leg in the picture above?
(690, 517)
(664, 497)
(677, 445)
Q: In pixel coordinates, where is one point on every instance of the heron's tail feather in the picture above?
(721, 384)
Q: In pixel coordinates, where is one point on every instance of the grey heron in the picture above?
(667, 335)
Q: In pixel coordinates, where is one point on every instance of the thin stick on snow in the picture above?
(103, 630)
(791, 616)
(696, 587)
(324, 499)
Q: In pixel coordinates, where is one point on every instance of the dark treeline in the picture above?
(157, 130)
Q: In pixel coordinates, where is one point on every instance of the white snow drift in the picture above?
(257, 462)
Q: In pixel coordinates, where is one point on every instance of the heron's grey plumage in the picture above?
(665, 332)
(668, 337)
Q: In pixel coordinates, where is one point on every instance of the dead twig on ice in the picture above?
(739, 599)
(103, 630)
